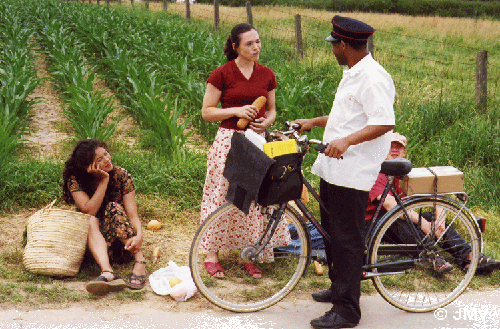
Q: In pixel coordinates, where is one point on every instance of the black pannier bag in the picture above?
(252, 175)
(283, 181)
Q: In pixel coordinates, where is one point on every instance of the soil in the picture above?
(45, 136)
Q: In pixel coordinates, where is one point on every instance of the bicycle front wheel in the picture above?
(238, 292)
(404, 272)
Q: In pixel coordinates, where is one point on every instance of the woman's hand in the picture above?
(259, 125)
(134, 244)
(95, 169)
(248, 112)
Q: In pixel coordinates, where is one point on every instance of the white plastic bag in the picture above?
(255, 138)
(159, 282)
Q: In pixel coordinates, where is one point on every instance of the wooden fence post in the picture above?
(188, 10)
(298, 35)
(146, 4)
(249, 13)
(216, 13)
(482, 80)
(164, 5)
(132, 3)
(98, 1)
(108, 2)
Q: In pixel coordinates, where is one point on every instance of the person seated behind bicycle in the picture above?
(452, 241)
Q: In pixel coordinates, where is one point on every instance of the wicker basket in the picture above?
(56, 241)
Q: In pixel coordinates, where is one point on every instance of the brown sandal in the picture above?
(486, 265)
(140, 278)
(441, 265)
(101, 285)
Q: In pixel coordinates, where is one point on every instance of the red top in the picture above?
(376, 191)
(238, 90)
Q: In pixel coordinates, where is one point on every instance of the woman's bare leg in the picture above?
(99, 248)
(139, 268)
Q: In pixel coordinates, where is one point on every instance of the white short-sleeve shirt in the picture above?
(365, 96)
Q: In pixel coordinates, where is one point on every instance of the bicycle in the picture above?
(400, 272)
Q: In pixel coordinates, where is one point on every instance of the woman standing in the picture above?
(235, 85)
(106, 192)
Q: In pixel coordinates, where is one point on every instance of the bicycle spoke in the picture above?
(281, 266)
(421, 287)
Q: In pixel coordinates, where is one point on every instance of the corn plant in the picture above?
(163, 115)
(86, 109)
(142, 89)
(17, 81)
(158, 112)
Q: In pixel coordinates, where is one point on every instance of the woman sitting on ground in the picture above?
(106, 192)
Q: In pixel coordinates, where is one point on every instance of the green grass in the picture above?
(35, 294)
(33, 183)
(135, 296)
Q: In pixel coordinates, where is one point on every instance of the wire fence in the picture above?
(469, 70)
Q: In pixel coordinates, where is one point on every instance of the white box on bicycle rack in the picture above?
(421, 180)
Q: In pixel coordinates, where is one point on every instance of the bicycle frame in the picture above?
(411, 260)
(411, 248)
(416, 248)
(317, 225)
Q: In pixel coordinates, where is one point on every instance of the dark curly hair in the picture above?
(82, 157)
(235, 37)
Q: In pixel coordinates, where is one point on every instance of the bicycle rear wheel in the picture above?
(239, 292)
(407, 279)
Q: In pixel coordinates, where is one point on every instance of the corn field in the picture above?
(17, 80)
(156, 64)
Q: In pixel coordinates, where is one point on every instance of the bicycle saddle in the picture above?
(396, 167)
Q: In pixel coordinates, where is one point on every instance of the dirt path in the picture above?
(45, 129)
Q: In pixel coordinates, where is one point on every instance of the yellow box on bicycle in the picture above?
(274, 149)
(421, 180)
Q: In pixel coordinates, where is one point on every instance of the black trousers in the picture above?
(344, 254)
(452, 242)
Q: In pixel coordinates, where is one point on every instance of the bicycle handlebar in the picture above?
(293, 129)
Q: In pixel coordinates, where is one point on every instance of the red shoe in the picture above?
(215, 268)
(252, 270)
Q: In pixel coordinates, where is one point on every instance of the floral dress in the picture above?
(113, 221)
(237, 230)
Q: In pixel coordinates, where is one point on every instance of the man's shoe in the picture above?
(323, 296)
(486, 265)
(331, 320)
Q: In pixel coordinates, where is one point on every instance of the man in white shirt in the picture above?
(357, 131)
